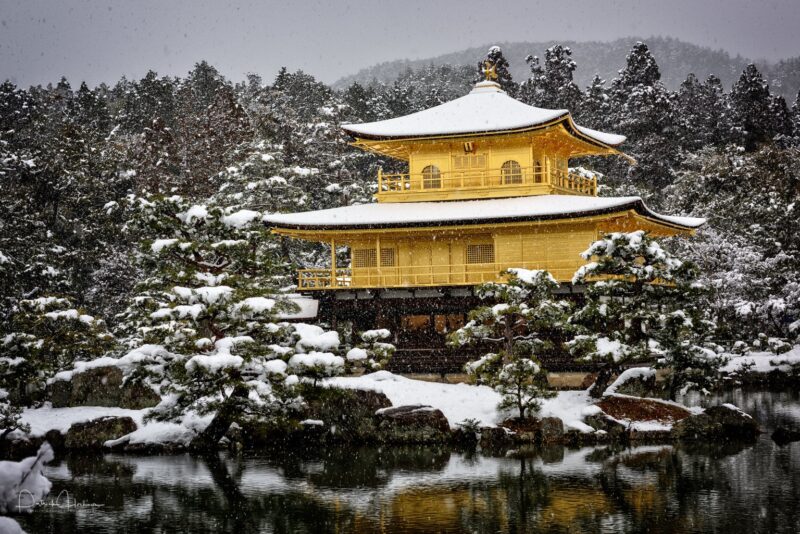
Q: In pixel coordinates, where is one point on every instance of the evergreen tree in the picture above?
(551, 86)
(751, 105)
(596, 107)
(749, 261)
(209, 299)
(796, 119)
(524, 319)
(640, 303)
(703, 117)
(642, 109)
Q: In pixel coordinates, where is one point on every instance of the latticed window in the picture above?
(365, 257)
(469, 161)
(387, 257)
(431, 177)
(368, 257)
(483, 253)
(511, 172)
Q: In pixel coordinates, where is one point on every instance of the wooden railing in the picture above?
(560, 181)
(423, 275)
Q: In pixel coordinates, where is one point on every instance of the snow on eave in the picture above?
(469, 212)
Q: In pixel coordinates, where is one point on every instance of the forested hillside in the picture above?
(675, 58)
(74, 159)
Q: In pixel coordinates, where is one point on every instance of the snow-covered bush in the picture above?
(22, 485)
(522, 317)
(642, 303)
(47, 334)
(373, 353)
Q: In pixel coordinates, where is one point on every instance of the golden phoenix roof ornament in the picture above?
(490, 70)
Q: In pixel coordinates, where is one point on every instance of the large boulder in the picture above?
(416, 423)
(93, 434)
(724, 421)
(533, 430)
(551, 430)
(636, 382)
(493, 438)
(102, 386)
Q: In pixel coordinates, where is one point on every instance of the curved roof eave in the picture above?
(632, 203)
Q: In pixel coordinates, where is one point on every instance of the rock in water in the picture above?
(416, 423)
(783, 436)
(93, 434)
(725, 421)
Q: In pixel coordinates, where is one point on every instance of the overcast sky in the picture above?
(100, 41)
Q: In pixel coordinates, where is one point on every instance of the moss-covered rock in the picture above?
(415, 423)
(93, 434)
(102, 386)
(725, 422)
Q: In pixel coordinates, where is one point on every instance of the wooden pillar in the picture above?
(333, 262)
(378, 260)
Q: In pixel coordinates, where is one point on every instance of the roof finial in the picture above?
(490, 70)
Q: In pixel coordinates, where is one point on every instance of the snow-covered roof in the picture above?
(487, 108)
(405, 214)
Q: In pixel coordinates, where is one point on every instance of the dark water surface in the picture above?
(711, 488)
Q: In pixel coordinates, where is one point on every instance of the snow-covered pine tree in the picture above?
(796, 119)
(595, 110)
(550, 85)
(210, 300)
(642, 109)
(523, 318)
(703, 117)
(496, 58)
(748, 262)
(640, 304)
(750, 98)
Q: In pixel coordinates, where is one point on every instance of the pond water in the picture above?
(711, 488)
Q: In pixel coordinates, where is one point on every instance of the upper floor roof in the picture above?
(487, 109)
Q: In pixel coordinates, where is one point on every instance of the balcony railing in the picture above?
(424, 275)
(557, 181)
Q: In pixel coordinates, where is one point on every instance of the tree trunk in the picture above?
(509, 335)
(222, 421)
(601, 382)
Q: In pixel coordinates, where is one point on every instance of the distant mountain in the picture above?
(675, 59)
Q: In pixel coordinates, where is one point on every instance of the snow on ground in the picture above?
(570, 407)
(154, 432)
(459, 402)
(763, 362)
(47, 418)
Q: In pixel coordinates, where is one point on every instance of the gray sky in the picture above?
(100, 41)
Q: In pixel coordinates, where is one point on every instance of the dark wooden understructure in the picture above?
(420, 320)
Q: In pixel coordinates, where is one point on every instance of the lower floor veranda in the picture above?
(449, 257)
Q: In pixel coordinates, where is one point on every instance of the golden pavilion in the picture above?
(489, 187)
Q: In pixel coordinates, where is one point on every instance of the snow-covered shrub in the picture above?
(47, 334)
(373, 353)
(23, 484)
